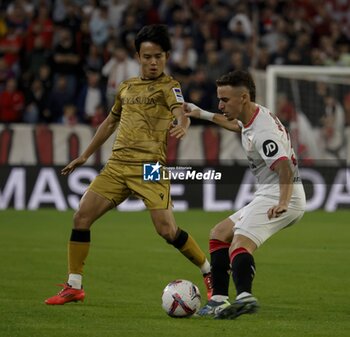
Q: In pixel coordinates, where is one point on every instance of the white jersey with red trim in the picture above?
(266, 141)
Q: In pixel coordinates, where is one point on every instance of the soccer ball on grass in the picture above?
(181, 298)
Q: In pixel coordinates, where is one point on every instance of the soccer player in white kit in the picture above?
(279, 199)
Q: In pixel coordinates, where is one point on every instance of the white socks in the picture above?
(74, 280)
(205, 267)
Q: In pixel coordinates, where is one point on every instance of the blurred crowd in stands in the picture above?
(62, 60)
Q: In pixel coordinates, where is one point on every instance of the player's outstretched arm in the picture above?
(191, 110)
(103, 132)
(179, 129)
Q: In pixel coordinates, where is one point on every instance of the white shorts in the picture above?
(252, 221)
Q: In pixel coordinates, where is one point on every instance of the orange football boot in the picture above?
(66, 295)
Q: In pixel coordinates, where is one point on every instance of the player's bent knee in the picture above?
(213, 234)
(167, 235)
(240, 241)
(165, 227)
(81, 221)
(168, 232)
(222, 231)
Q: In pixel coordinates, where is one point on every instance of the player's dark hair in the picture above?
(239, 78)
(157, 34)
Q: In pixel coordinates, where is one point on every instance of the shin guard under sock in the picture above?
(243, 270)
(220, 266)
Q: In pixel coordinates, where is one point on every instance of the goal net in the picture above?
(314, 103)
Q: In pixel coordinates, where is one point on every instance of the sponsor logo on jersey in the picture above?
(178, 94)
(138, 100)
(270, 148)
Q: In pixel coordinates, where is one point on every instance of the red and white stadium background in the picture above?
(31, 158)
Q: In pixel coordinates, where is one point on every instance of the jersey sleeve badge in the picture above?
(178, 95)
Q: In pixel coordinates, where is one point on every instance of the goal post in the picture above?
(314, 103)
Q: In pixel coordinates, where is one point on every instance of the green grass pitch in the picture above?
(302, 279)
